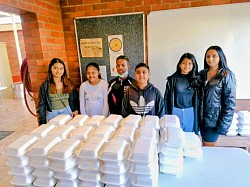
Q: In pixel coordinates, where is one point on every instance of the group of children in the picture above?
(204, 101)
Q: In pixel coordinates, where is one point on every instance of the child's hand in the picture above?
(74, 113)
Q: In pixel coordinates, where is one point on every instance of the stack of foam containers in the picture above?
(63, 131)
(244, 123)
(78, 120)
(171, 145)
(19, 160)
(60, 120)
(116, 167)
(132, 121)
(82, 133)
(192, 146)
(39, 160)
(95, 121)
(144, 164)
(63, 161)
(90, 163)
(104, 131)
(43, 130)
(232, 131)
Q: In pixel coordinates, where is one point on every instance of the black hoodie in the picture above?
(144, 102)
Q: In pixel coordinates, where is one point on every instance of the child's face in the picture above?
(186, 66)
(92, 75)
(142, 75)
(57, 70)
(122, 66)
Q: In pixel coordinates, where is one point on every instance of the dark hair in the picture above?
(223, 60)
(191, 57)
(96, 66)
(141, 65)
(67, 84)
(123, 57)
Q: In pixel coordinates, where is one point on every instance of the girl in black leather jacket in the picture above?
(180, 98)
(218, 92)
(57, 95)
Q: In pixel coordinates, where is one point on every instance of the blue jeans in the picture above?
(186, 117)
(54, 113)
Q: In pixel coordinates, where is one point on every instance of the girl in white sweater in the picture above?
(94, 93)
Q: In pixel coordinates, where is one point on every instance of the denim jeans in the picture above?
(186, 117)
(54, 113)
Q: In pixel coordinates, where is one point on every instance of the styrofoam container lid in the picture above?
(78, 120)
(91, 150)
(243, 114)
(91, 184)
(44, 146)
(44, 182)
(172, 170)
(113, 120)
(18, 161)
(24, 170)
(148, 133)
(96, 140)
(95, 120)
(90, 164)
(170, 121)
(90, 175)
(63, 131)
(126, 184)
(43, 172)
(144, 168)
(132, 120)
(115, 150)
(104, 131)
(171, 152)
(69, 175)
(62, 119)
(68, 183)
(115, 179)
(145, 181)
(65, 165)
(82, 133)
(43, 130)
(65, 149)
(151, 122)
(39, 162)
(171, 160)
(127, 133)
(23, 180)
(115, 168)
(21, 146)
(143, 151)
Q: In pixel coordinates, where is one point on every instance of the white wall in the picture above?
(174, 32)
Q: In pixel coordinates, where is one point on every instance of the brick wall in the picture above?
(48, 26)
(8, 38)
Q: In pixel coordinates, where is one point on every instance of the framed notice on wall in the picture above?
(91, 47)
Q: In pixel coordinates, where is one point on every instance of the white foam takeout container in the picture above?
(24, 170)
(132, 121)
(113, 120)
(95, 120)
(151, 122)
(90, 164)
(21, 146)
(71, 174)
(115, 179)
(43, 172)
(45, 182)
(64, 165)
(62, 119)
(39, 162)
(18, 161)
(43, 130)
(68, 183)
(78, 120)
(22, 180)
(127, 133)
(65, 149)
(143, 151)
(82, 133)
(148, 133)
(104, 131)
(169, 121)
(63, 132)
(90, 175)
(44, 146)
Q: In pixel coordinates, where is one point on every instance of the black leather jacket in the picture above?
(44, 103)
(169, 98)
(217, 100)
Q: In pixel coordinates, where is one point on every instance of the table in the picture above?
(234, 141)
(220, 166)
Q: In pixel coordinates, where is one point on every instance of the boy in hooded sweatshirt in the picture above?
(142, 98)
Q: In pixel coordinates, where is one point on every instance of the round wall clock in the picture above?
(115, 44)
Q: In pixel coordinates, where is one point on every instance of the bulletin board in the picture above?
(129, 26)
(174, 32)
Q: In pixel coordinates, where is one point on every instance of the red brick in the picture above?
(91, 1)
(106, 12)
(116, 5)
(125, 10)
(84, 8)
(99, 6)
(160, 7)
(172, 1)
(220, 2)
(133, 3)
(200, 3)
(93, 13)
(151, 2)
(142, 9)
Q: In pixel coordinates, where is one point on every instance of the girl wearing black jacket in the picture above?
(57, 95)
(180, 98)
(218, 88)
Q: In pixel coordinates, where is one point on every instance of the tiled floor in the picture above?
(17, 119)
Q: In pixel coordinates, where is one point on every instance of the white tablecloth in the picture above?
(220, 167)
